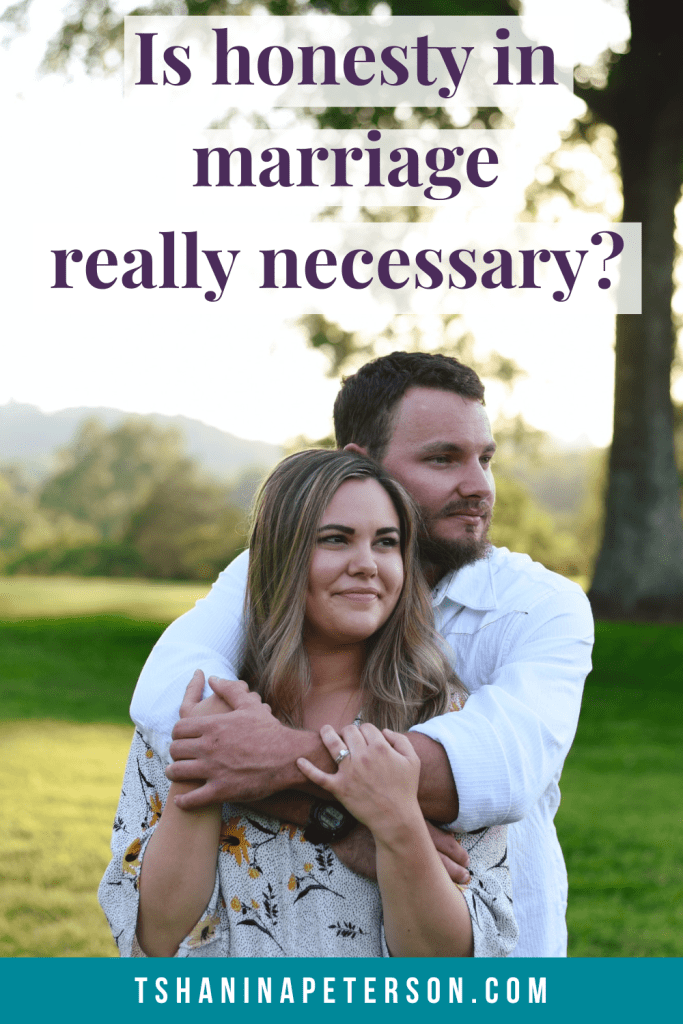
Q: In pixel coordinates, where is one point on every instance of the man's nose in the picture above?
(475, 481)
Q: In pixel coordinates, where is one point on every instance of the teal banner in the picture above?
(344, 990)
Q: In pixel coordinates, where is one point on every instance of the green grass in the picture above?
(59, 786)
(28, 597)
(78, 670)
(619, 823)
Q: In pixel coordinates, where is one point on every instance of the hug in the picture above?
(399, 674)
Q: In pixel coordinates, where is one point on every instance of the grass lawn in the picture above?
(28, 597)
(59, 786)
(78, 670)
(66, 685)
(621, 818)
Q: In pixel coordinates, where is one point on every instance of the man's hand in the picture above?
(357, 852)
(194, 707)
(455, 857)
(242, 756)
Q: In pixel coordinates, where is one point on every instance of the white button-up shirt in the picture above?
(521, 638)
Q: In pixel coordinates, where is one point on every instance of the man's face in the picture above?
(441, 450)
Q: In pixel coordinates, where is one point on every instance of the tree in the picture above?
(187, 529)
(25, 527)
(639, 572)
(135, 505)
(108, 474)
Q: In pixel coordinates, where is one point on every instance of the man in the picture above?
(521, 638)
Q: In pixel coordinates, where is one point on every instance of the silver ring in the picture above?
(341, 755)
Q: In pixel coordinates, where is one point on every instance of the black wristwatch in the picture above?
(328, 821)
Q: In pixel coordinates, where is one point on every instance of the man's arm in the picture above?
(504, 747)
(437, 794)
(512, 736)
(248, 756)
(511, 739)
(209, 637)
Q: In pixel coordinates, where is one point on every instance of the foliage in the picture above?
(348, 350)
(107, 474)
(24, 526)
(521, 524)
(105, 559)
(92, 34)
(93, 31)
(185, 530)
(125, 502)
(678, 438)
(563, 492)
(586, 523)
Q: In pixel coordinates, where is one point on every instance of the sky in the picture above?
(88, 169)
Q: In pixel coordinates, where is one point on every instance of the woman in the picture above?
(340, 639)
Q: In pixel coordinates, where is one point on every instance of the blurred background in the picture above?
(127, 469)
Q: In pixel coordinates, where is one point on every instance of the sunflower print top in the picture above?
(277, 894)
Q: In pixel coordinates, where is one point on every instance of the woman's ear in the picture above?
(353, 447)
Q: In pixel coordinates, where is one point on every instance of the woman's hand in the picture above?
(377, 782)
(194, 707)
(424, 913)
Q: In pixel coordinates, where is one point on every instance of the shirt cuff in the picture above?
(479, 767)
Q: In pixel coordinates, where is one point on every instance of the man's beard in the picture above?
(452, 555)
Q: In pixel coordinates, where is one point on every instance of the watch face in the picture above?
(330, 817)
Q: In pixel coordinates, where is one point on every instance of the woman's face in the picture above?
(356, 574)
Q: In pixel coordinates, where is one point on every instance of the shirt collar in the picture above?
(471, 587)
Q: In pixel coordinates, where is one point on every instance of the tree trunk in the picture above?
(639, 573)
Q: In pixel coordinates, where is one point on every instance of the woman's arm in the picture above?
(178, 874)
(178, 871)
(144, 794)
(425, 914)
(179, 868)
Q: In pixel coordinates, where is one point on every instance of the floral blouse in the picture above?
(277, 894)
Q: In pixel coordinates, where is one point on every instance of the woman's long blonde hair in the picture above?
(407, 677)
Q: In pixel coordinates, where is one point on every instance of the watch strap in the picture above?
(317, 832)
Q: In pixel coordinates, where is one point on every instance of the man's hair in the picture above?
(365, 407)
(407, 678)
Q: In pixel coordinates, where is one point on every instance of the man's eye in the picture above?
(439, 460)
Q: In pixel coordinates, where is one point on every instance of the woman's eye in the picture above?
(387, 542)
(333, 538)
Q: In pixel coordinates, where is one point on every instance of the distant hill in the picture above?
(558, 478)
(32, 437)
